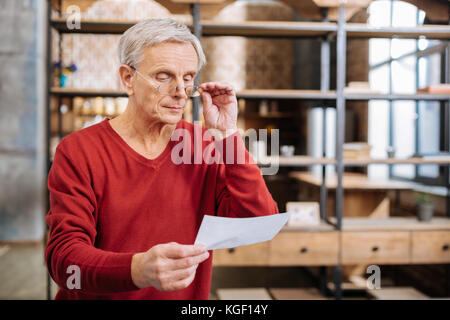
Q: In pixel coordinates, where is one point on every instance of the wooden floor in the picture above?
(23, 274)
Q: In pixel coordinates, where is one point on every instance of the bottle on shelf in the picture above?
(77, 104)
(98, 107)
(87, 108)
(263, 108)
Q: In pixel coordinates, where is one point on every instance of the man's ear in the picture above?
(126, 74)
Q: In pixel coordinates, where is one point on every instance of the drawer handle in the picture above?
(445, 247)
(231, 250)
(375, 249)
(304, 250)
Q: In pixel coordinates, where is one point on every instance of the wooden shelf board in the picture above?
(213, 28)
(270, 115)
(428, 31)
(267, 28)
(93, 26)
(397, 293)
(273, 94)
(97, 114)
(270, 29)
(243, 294)
(295, 161)
(393, 224)
(380, 96)
(286, 94)
(351, 181)
(424, 160)
(246, 93)
(86, 92)
(296, 294)
(322, 227)
(198, 1)
(301, 161)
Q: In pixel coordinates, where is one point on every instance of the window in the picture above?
(401, 66)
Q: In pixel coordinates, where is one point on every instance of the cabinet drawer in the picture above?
(304, 249)
(375, 247)
(252, 255)
(430, 247)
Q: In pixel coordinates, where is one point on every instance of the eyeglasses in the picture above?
(169, 88)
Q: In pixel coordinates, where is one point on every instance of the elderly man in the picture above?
(124, 215)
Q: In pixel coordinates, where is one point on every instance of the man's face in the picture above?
(169, 64)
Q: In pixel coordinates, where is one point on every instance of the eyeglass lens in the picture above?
(191, 91)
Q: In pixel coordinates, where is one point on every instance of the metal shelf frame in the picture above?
(327, 32)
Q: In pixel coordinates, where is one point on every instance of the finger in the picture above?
(175, 250)
(184, 283)
(181, 274)
(169, 279)
(188, 262)
(226, 86)
(224, 91)
(222, 85)
(211, 86)
(221, 92)
(207, 103)
(207, 86)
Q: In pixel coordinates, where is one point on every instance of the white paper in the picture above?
(219, 233)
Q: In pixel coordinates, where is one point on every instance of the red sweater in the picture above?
(108, 202)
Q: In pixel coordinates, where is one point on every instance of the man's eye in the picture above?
(162, 77)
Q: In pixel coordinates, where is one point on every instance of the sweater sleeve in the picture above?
(241, 190)
(72, 233)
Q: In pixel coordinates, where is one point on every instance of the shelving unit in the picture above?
(326, 31)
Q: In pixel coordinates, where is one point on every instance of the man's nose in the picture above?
(180, 91)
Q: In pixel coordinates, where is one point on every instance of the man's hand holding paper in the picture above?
(219, 233)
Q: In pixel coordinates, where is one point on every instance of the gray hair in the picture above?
(151, 32)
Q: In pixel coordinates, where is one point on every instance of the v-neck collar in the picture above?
(133, 153)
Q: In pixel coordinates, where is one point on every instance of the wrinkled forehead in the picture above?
(180, 56)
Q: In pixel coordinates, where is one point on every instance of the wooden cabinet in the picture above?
(362, 241)
(430, 247)
(304, 249)
(286, 249)
(361, 247)
(252, 255)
